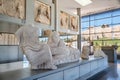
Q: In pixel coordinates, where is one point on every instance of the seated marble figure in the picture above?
(60, 52)
(42, 55)
(38, 54)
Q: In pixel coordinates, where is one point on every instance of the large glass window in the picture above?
(103, 28)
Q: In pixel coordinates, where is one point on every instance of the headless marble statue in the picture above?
(99, 53)
(60, 52)
(85, 50)
(38, 54)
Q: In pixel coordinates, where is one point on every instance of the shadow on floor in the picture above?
(112, 73)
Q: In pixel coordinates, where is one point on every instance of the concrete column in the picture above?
(56, 9)
(29, 11)
(79, 35)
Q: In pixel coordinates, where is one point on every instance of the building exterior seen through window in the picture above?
(103, 29)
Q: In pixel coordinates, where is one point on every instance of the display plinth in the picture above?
(110, 51)
(69, 71)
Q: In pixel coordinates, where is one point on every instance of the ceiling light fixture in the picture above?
(83, 2)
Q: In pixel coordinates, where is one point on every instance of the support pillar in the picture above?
(79, 35)
(56, 14)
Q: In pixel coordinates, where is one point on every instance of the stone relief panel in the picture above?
(13, 8)
(64, 20)
(73, 23)
(42, 13)
(47, 32)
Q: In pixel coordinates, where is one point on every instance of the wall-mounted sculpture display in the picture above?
(64, 20)
(13, 8)
(73, 23)
(42, 13)
(69, 23)
(61, 53)
(38, 54)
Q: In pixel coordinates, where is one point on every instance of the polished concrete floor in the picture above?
(112, 73)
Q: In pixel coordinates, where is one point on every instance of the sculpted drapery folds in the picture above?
(38, 54)
(61, 53)
(42, 55)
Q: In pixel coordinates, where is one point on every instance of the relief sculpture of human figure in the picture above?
(38, 54)
(60, 52)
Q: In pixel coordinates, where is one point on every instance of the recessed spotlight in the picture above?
(83, 2)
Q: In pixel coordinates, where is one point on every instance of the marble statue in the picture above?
(85, 52)
(60, 52)
(99, 53)
(38, 54)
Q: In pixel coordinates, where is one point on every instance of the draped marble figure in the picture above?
(61, 53)
(45, 55)
(38, 54)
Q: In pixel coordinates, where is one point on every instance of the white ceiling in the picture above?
(95, 7)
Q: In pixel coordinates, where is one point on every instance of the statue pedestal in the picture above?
(78, 70)
(110, 51)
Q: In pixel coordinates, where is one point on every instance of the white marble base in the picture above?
(69, 71)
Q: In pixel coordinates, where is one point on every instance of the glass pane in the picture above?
(97, 43)
(85, 31)
(72, 41)
(116, 12)
(85, 24)
(98, 30)
(116, 28)
(116, 35)
(99, 36)
(103, 15)
(85, 37)
(92, 17)
(108, 29)
(106, 36)
(116, 42)
(91, 30)
(116, 20)
(92, 37)
(86, 18)
(63, 38)
(43, 40)
(107, 43)
(103, 21)
(92, 23)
